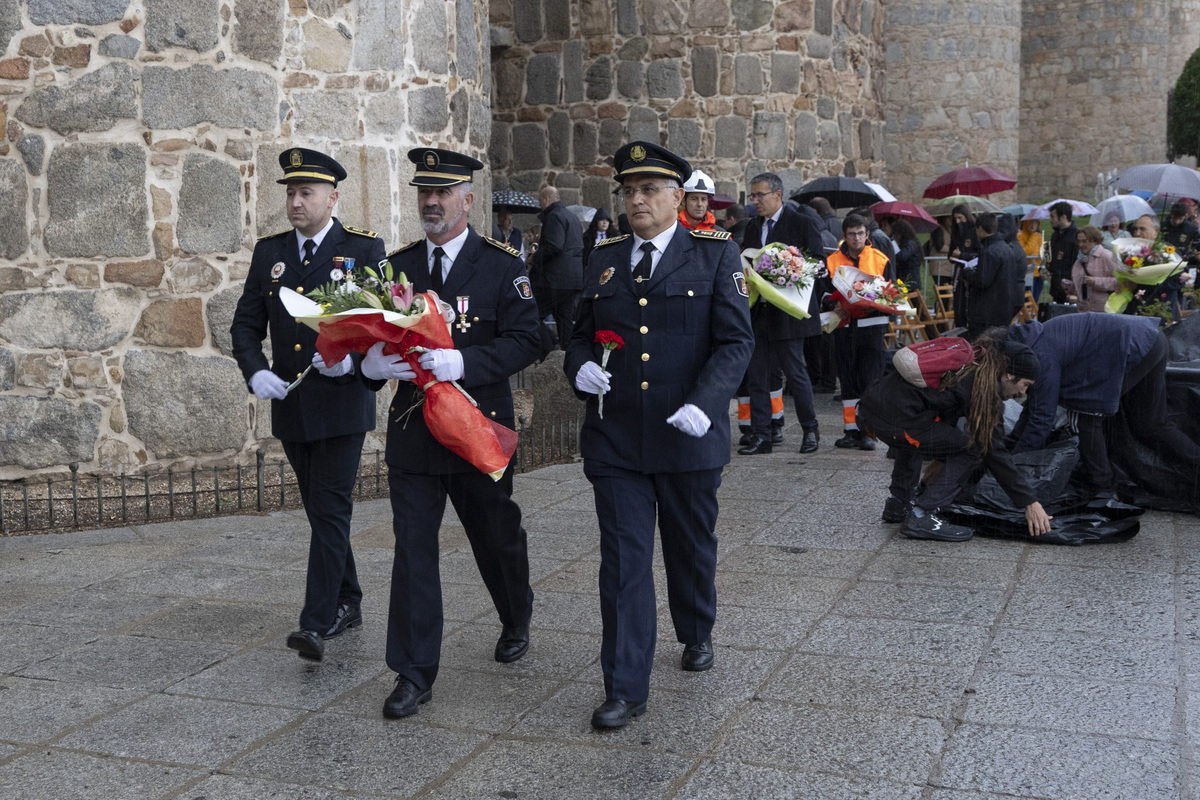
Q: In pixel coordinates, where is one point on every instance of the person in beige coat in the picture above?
(1092, 278)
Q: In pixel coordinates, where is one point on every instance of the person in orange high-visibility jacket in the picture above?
(858, 343)
(694, 214)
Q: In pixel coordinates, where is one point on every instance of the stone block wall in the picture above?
(953, 88)
(138, 147)
(1095, 76)
(736, 87)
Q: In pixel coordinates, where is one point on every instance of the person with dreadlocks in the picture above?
(921, 423)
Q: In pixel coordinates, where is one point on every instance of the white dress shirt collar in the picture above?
(320, 237)
(451, 249)
(660, 243)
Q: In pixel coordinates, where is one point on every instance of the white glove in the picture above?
(691, 420)
(378, 367)
(591, 378)
(343, 367)
(267, 385)
(446, 365)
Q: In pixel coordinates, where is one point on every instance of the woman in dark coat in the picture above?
(964, 246)
(599, 230)
(909, 259)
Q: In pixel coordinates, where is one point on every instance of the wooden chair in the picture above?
(944, 295)
(910, 330)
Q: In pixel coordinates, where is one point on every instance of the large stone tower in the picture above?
(953, 89)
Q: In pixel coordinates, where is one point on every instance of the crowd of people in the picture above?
(666, 284)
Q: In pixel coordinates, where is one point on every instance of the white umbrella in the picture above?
(1169, 179)
(1078, 209)
(583, 213)
(1126, 206)
(883, 193)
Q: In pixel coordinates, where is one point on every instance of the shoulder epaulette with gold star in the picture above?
(512, 251)
(273, 235)
(721, 236)
(611, 239)
(360, 232)
(408, 246)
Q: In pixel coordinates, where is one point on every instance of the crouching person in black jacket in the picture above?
(921, 424)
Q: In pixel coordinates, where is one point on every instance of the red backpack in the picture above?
(923, 364)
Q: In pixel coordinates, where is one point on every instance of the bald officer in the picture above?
(323, 419)
(678, 298)
(495, 334)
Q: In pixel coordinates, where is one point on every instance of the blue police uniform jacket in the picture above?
(687, 340)
(320, 407)
(497, 335)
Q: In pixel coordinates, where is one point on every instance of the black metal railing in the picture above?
(83, 501)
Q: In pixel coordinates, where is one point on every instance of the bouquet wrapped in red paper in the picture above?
(860, 295)
(354, 314)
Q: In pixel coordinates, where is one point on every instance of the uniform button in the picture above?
(691, 293)
(645, 356)
(596, 296)
(642, 302)
(299, 375)
(297, 319)
(645, 385)
(297, 348)
(299, 290)
(269, 294)
(493, 413)
(475, 319)
(644, 329)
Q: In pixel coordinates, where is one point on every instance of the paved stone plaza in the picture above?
(149, 662)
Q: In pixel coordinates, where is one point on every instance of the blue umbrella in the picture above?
(1019, 210)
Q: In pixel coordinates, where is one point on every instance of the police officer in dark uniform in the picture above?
(320, 418)
(495, 334)
(678, 299)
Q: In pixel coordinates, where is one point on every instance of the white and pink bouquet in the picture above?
(783, 276)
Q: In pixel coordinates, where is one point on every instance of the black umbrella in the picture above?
(839, 191)
(512, 200)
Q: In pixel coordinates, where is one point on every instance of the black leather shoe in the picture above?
(776, 435)
(404, 699)
(347, 617)
(811, 440)
(849, 440)
(308, 644)
(758, 446)
(697, 657)
(746, 439)
(616, 713)
(894, 509)
(513, 643)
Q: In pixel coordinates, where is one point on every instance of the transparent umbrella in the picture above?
(1078, 209)
(1169, 179)
(944, 207)
(1125, 206)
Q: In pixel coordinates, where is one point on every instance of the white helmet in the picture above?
(699, 182)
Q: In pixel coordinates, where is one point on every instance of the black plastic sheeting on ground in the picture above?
(1144, 477)
(988, 510)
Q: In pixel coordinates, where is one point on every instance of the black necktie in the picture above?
(310, 247)
(641, 273)
(435, 277)
(770, 227)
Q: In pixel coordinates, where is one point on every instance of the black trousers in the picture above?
(326, 470)
(787, 356)
(939, 441)
(860, 363)
(492, 521)
(627, 504)
(1144, 394)
(563, 303)
(818, 357)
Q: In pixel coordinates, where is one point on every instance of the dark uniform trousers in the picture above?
(497, 334)
(768, 358)
(627, 504)
(323, 421)
(687, 340)
(859, 352)
(326, 471)
(492, 521)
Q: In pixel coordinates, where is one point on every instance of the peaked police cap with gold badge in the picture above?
(437, 167)
(302, 164)
(644, 158)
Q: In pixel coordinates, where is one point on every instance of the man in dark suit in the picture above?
(678, 299)
(559, 260)
(495, 336)
(321, 419)
(778, 336)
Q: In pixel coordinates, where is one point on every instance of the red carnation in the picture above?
(610, 340)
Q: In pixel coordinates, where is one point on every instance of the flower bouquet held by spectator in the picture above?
(610, 341)
(1141, 263)
(782, 276)
(377, 314)
(860, 295)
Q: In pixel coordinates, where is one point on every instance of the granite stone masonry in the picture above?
(717, 82)
(138, 157)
